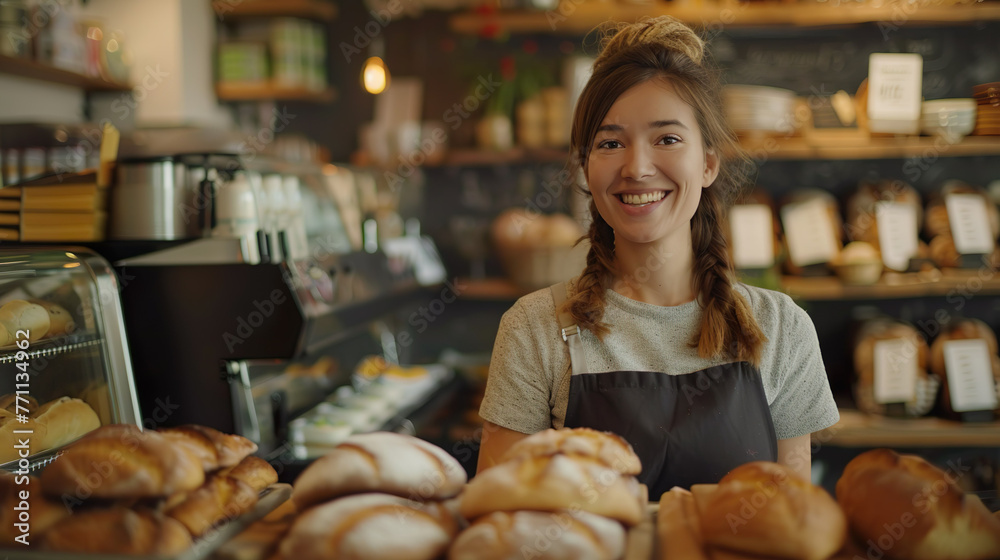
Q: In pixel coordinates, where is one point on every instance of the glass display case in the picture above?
(64, 362)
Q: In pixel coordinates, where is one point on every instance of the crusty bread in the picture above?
(610, 449)
(914, 509)
(231, 448)
(118, 531)
(18, 315)
(254, 472)
(542, 536)
(373, 527)
(60, 320)
(766, 509)
(122, 461)
(381, 462)
(43, 512)
(65, 419)
(220, 499)
(197, 443)
(678, 529)
(554, 483)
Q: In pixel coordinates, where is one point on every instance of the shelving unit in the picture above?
(308, 9)
(578, 18)
(266, 92)
(516, 155)
(27, 68)
(856, 429)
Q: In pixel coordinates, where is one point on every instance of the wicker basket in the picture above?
(540, 267)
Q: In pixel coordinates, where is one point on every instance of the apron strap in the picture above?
(569, 330)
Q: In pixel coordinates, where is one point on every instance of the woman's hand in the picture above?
(496, 441)
(795, 453)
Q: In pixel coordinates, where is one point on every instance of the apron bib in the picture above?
(686, 429)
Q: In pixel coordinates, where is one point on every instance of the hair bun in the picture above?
(664, 31)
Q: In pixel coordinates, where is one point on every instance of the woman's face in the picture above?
(648, 164)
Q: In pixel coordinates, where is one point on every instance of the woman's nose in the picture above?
(638, 163)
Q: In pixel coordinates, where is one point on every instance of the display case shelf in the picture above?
(574, 18)
(857, 429)
(269, 92)
(40, 349)
(27, 68)
(318, 10)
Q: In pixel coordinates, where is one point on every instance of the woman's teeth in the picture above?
(644, 198)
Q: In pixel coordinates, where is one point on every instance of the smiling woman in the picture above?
(656, 340)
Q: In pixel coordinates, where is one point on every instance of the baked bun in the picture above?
(916, 508)
(43, 512)
(220, 499)
(18, 315)
(230, 448)
(554, 483)
(118, 531)
(607, 448)
(381, 462)
(127, 462)
(60, 320)
(548, 536)
(65, 419)
(678, 529)
(252, 471)
(766, 509)
(196, 443)
(373, 527)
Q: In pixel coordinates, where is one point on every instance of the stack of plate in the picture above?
(953, 118)
(760, 108)
(987, 98)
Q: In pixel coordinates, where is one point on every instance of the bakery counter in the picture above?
(857, 429)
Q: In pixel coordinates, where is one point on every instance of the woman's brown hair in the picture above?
(631, 54)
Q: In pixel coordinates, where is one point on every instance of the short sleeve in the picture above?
(518, 389)
(803, 402)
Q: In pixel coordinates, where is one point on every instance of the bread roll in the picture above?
(16, 315)
(373, 527)
(8, 439)
(230, 448)
(122, 461)
(607, 448)
(219, 500)
(381, 462)
(196, 443)
(766, 509)
(554, 483)
(678, 529)
(65, 420)
(60, 320)
(254, 472)
(42, 512)
(905, 507)
(943, 252)
(118, 531)
(28, 404)
(542, 536)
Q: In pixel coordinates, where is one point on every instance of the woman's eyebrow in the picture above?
(653, 124)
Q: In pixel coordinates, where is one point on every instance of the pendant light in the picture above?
(375, 74)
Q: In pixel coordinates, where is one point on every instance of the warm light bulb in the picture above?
(375, 76)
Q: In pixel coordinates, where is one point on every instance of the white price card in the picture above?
(970, 375)
(897, 233)
(895, 370)
(894, 91)
(970, 223)
(752, 227)
(809, 231)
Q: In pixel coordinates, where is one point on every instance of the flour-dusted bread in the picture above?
(678, 529)
(230, 449)
(122, 461)
(252, 471)
(381, 462)
(118, 530)
(219, 500)
(373, 527)
(65, 419)
(554, 483)
(610, 449)
(929, 516)
(764, 508)
(43, 513)
(560, 535)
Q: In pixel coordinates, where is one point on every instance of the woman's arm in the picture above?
(496, 441)
(795, 453)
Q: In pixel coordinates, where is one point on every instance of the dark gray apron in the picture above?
(686, 429)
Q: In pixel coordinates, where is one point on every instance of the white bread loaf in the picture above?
(678, 529)
(372, 527)
(766, 509)
(607, 448)
(908, 508)
(381, 462)
(540, 535)
(554, 483)
(16, 315)
(65, 419)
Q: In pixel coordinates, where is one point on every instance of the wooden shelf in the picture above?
(472, 157)
(857, 429)
(895, 286)
(490, 289)
(874, 148)
(268, 92)
(579, 18)
(306, 9)
(27, 68)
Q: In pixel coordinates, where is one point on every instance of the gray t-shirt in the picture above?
(528, 386)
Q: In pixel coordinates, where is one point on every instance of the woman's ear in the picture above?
(711, 167)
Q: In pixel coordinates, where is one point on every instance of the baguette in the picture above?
(541, 536)
(17, 315)
(230, 448)
(65, 420)
(678, 529)
(220, 499)
(610, 449)
(254, 472)
(118, 531)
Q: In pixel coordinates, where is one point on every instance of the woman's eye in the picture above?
(668, 140)
(610, 144)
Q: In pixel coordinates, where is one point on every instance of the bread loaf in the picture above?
(42, 513)
(122, 461)
(373, 527)
(60, 320)
(118, 531)
(905, 508)
(17, 315)
(196, 443)
(554, 483)
(254, 472)
(766, 509)
(542, 536)
(862, 207)
(938, 222)
(219, 500)
(678, 528)
(230, 449)
(65, 419)
(607, 448)
(870, 334)
(381, 462)
(965, 329)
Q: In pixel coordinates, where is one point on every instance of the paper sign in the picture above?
(809, 231)
(970, 375)
(970, 223)
(895, 371)
(897, 233)
(894, 91)
(753, 235)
